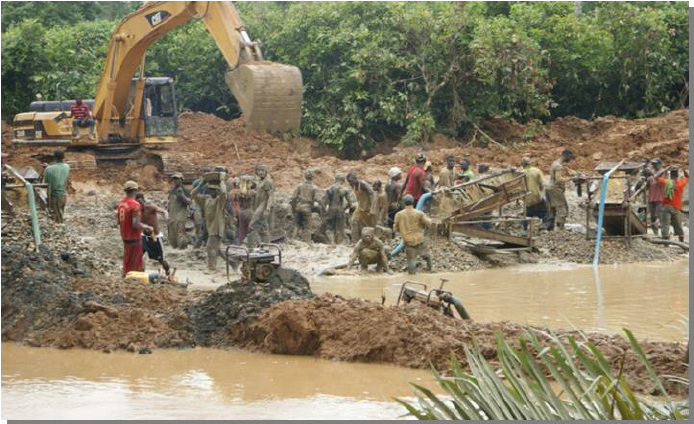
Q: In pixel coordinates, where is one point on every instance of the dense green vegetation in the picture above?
(376, 71)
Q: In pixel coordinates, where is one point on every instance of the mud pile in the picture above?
(225, 314)
(573, 247)
(332, 327)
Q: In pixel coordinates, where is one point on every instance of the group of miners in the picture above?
(237, 209)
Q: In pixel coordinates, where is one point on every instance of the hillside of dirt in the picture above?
(209, 140)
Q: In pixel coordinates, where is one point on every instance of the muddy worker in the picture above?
(198, 214)
(337, 199)
(258, 230)
(369, 250)
(245, 196)
(393, 190)
(672, 204)
(655, 196)
(465, 175)
(179, 199)
(381, 199)
(153, 241)
(411, 223)
(129, 215)
(302, 202)
(416, 182)
(56, 177)
(447, 174)
(559, 175)
(212, 204)
(232, 210)
(81, 117)
(535, 205)
(365, 212)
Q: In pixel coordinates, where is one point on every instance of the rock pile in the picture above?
(446, 257)
(573, 247)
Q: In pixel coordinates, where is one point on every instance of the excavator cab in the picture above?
(158, 111)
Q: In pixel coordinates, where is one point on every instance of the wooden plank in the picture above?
(473, 231)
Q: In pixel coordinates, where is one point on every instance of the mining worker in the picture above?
(232, 209)
(258, 227)
(179, 199)
(365, 211)
(81, 117)
(152, 241)
(337, 199)
(559, 175)
(465, 173)
(369, 250)
(655, 196)
(447, 174)
(302, 201)
(535, 205)
(672, 203)
(198, 213)
(416, 182)
(393, 190)
(381, 200)
(129, 215)
(212, 204)
(411, 223)
(245, 196)
(56, 177)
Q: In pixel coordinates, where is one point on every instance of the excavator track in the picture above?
(170, 162)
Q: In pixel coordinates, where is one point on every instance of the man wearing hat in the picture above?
(411, 223)
(212, 204)
(198, 214)
(393, 190)
(447, 174)
(302, 201)
(129, 213)
(179, 199)
(416, 182)
(337, 199)
(655, 196)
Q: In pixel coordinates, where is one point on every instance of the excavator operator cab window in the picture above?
(159, 107)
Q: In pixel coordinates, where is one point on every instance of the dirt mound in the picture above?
(573, 247)
(226, 313)
(332, 327)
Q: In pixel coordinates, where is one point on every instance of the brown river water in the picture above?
(650, 299)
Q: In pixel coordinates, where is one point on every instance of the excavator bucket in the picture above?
(270, 95)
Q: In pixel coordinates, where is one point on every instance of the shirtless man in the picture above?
(152, 241)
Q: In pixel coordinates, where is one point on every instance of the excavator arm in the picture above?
(269, 94)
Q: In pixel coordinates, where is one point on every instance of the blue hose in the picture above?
(601, 212)
(420, 206)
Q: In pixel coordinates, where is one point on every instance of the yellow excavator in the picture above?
(133, 110)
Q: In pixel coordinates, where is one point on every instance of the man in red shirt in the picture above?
(81, 117)
(152, 241)
(416, 182)
(129, 213)
(672, 203)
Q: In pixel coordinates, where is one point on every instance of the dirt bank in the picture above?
(332, 327)
(208, 140)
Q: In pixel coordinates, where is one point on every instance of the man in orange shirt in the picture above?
(672, 203)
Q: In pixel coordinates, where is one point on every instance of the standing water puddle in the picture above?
(649, 299)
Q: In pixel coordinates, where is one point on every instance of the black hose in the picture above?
(460, 308)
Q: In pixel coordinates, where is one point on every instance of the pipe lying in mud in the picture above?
(331, 269)
(32, 206)
(420, 205)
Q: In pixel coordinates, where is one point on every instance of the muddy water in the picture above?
(650, 299)
(199, 383)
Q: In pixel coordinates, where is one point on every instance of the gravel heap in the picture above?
(573, 247)
(446, 257)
